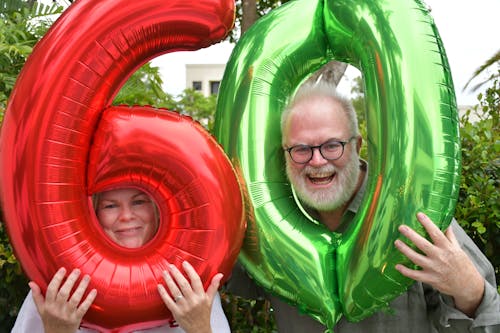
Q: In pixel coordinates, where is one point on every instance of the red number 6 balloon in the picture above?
(61, 142)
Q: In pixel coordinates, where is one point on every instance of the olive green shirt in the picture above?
(420, 309)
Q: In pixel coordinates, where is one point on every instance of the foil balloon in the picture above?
(413, 148)
(61, 142)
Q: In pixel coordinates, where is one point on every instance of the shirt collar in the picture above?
(356, 201)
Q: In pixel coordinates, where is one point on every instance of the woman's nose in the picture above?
(125, 213)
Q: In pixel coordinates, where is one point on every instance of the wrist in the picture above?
(470, 298)
(207, 330)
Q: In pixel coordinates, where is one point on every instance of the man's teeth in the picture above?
(321, 180)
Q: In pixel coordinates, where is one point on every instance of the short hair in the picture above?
(326, 89)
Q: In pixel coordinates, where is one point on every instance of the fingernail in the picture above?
(403, 228)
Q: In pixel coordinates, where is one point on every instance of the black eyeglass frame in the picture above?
(311, 149)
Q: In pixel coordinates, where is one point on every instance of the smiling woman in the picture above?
(127, 215)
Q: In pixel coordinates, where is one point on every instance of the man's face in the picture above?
(321, 184)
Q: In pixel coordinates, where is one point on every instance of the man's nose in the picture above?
(317, 159)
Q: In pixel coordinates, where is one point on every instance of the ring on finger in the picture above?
(178, 297)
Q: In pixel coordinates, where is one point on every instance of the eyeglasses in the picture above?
(330, 150)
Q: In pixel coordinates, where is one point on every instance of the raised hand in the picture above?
(62, 311)
(190, 305)
(445, 265)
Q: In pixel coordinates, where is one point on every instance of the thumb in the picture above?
(451, 235)
(214, 286)
(36, 292)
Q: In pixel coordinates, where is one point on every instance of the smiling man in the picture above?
(455, 290)
(321, 138)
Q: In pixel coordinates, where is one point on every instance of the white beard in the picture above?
(330, 198)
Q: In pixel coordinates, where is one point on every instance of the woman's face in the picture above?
(128, 216)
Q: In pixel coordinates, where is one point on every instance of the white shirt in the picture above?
(29, 320)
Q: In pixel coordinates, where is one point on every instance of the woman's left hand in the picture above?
(190, 305)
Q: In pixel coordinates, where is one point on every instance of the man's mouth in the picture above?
(321, 179)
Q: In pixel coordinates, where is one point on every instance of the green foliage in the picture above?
(248, 315)
(21, 25)
(262, 7)
(144, 88)
(478, 209)
(13, 284)
(358, 101)
(199, 107)
(494, 60)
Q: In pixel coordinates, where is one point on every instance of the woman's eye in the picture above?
(139, 202)
(109, 206)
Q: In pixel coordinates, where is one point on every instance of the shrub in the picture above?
(13, 284)
(478, 208)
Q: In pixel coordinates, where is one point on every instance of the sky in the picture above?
(469, 30)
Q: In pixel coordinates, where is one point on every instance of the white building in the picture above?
(204, 78)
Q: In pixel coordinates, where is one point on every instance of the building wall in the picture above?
(204, 77)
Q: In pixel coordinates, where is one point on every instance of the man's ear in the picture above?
(359, 142)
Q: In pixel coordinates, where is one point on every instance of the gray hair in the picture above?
(326, 89)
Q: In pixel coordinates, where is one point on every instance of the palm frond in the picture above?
(30, 9)
(493, 60)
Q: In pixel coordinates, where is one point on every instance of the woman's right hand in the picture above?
(62, 311)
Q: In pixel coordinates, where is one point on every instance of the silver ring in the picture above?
(178, 298)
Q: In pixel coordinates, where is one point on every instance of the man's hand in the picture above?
(445, 266)
(62, 311)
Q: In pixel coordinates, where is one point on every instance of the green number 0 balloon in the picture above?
(413, 148)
